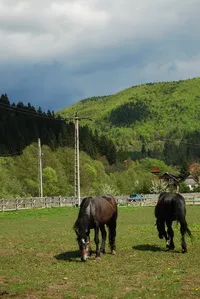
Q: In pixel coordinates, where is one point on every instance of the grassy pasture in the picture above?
(39, 258)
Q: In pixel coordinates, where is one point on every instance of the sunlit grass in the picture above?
(39, 258)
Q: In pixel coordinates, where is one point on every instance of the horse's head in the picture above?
(161, 228)
(84, 245)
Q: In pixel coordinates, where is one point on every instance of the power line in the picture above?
(181, 141)
(11, 154)
(34, 114)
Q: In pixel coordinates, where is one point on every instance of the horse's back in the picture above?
(105, 199)
(111, 200)
(104, 208)
(170, 205)
(167, 198)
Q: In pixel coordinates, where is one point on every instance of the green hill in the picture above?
(145, 118)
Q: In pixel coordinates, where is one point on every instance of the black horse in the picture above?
(171, 207)
(94, 213)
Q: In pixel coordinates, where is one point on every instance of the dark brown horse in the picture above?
(171, 207)
(94, 213)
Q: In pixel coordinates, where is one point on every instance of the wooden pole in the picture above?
(40, 169)
(77, 167)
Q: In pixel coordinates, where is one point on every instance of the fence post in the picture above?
(3, 207)
(45, 202)
(16, 204)
(59, 201)
(193, 201)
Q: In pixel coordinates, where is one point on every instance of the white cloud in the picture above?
(42, 30)
(189, 67)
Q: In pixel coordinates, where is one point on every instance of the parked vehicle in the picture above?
(136, 197)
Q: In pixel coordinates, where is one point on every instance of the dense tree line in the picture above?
(19, 174)
(129, 113)
(23, 124)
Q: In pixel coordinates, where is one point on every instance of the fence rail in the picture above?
(11, 204)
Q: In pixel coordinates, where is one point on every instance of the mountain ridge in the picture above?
(145, 114)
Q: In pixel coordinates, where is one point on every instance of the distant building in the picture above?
(155, 170)
(190, 182)
(171, 180)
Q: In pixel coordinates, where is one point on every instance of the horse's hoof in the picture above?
(113, 252)
(184, 250)
(170, 247)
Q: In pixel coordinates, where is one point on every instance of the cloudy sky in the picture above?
(55, 53)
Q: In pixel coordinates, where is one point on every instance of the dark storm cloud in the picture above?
(54, 53)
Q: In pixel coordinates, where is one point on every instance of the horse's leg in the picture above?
(161, 229)
(90, 248)
(112, 235)
(103, 234)
(165, 235)
(183, 230)
(96, 240)
(170, 233)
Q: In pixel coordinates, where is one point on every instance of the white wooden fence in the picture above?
(9, 204)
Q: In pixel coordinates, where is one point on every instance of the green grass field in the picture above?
(39, 258)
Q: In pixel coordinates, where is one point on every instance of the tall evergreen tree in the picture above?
(184, 171)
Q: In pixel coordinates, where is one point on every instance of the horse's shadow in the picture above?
(74, 256)
(68, 256)
(154, 248)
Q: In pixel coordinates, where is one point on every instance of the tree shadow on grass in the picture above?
(154, 248)
(70, 256)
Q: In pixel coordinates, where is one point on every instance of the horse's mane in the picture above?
(81, 224)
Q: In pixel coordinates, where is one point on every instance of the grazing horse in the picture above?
(94, 213)
(171, 207)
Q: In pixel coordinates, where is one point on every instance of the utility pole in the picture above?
(40, 169)
(76, 159)
(76, 162)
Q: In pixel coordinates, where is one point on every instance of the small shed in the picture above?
(171, 180)
(190, 182)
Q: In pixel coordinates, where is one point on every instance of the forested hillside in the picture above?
(158, 120)
(22, 125)
(133, 130)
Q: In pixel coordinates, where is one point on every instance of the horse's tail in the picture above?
(184, 224)
(181, 213)
(188, 231)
